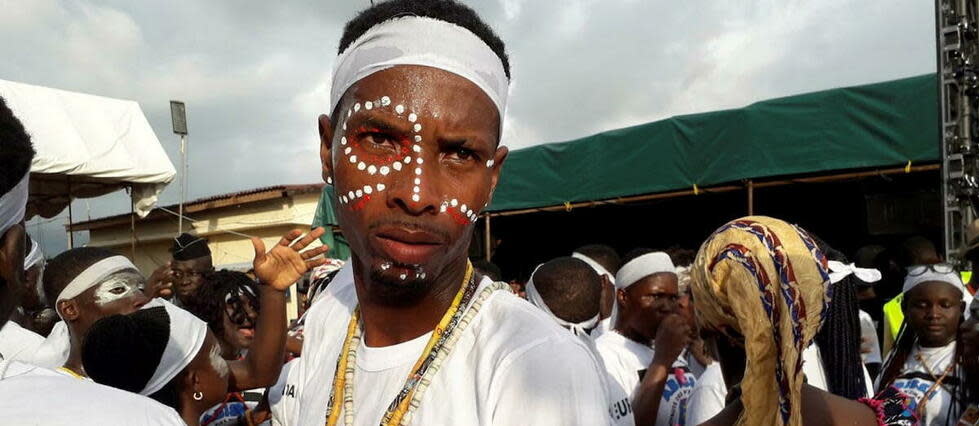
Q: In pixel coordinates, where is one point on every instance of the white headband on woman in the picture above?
(839, 270)
(13, 204)
(93, 275)
(187, 334)
(414, 40)
(579, 329)
(642, 267)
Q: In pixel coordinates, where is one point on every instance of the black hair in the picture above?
(681, 256)
(16, 150)
(123, 351)
(489, 269)
(839, 337)
(449, 11)
(634, 253)
(210, 303)
(917, 250)
(603, 254)
(64, 267)
(570, 288)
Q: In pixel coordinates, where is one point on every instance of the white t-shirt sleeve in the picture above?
(18, 343)
(708, 396)
(549, 384)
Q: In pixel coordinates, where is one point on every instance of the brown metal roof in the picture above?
(204, 204)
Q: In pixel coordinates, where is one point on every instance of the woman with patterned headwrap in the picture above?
(760, 289)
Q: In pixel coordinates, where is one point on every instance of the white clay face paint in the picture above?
(119, 285)
(219, 364)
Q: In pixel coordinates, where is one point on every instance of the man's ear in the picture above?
(326, 146)
(620, 297)
(498, 158)
(68, 310)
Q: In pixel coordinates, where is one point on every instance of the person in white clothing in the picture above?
(81, 295)
(605, 261)
(411, 334)
(570, 292)
(30, 395)
(643, 352)
(925, 360)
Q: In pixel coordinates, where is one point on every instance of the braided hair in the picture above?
(144, 336)
(839, 337)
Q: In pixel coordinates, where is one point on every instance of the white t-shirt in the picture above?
(511, 366)
(627, 362)
(708, 395)
(282, 395)
(30, 395)
(18, 343)
(915, 381)
(868, 339)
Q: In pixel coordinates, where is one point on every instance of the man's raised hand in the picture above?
(286, 263)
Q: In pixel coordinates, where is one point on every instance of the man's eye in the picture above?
(377, 139)
(460, 153)
(118, 290)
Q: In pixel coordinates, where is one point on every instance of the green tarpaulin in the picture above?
(875, 125)
(326, 217)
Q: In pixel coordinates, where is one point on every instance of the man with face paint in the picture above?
(88, 284)
(643, 351)
(30, 394)
(406, 332)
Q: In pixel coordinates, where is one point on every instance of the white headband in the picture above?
(34, 257)
(579, 329)
(13, 204)
(642, 267)
(414, 40)
(187, 334)
(952, 278)
(840, 270)
(94, 275)
(599, 269)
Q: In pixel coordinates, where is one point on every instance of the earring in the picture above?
(198, 396)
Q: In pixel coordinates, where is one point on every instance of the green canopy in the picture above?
(327, 218)
(875, 125)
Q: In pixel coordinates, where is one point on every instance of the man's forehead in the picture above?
(431, 92)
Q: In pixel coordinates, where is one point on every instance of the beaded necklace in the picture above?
(443, 339)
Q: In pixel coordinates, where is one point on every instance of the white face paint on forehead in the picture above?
(219, 364)
(119, 285)
(408, 160)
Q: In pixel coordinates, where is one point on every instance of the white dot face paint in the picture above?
(490, 163)
(368, 105)
(415, 198)
(412, 117)
(384, 170)
(219, 364)
(418, 127)
(117, 286)
(385, 101)
(400, 109)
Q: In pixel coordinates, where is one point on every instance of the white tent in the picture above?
(87, 146)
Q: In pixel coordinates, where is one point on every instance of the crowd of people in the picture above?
(764, 324)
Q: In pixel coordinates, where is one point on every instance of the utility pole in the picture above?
(178, 115)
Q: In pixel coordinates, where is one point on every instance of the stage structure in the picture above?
(958, 51)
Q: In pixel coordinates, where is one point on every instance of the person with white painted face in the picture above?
(168, 354)
(85, 285)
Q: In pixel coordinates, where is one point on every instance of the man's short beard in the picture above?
(391, 290)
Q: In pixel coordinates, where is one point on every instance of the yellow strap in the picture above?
(907, 167)
(696, 191)
(71, 373)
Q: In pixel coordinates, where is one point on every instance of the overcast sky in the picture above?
(255, 74)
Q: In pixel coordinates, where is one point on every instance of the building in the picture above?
(227, 221)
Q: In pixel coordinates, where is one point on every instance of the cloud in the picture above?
(255, 74)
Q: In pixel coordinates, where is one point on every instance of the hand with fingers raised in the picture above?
(286, 263)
